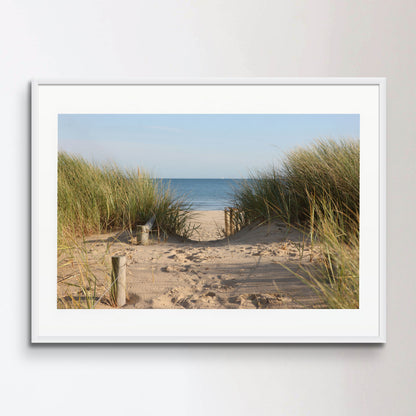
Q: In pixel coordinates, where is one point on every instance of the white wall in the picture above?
(84, 39)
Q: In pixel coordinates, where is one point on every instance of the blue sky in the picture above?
(197, 145)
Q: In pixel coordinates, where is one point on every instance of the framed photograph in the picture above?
(209, 210)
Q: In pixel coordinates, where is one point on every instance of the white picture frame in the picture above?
(366, 96)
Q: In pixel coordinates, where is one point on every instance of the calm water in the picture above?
(205, 194)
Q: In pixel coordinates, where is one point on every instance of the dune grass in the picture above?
(95, 198)
(99, 198)
(315, 189)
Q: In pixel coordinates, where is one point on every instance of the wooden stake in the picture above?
(143, 234)
(144, 230)
(231, 221)
(118, 291)
(226, 223)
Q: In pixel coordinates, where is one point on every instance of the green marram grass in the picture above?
(95, 198)
(324, 170)
(315, 189)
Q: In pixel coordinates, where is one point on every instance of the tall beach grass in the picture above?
(95, 198)
(315, 189)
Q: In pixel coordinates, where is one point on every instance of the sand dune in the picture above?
(247, 270)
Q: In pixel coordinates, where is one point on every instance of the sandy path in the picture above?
(210, 225)
(247, 270)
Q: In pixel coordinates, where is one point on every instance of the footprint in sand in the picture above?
(218, 286)
(197, 258)
(178, 257)
(229, 283)
(256, 300)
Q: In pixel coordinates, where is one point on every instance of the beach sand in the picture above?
(210, 225)
(247, 270)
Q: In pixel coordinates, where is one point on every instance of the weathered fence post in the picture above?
(232, 225)
(226, 222)
(236, 220)
(143, 234)
(240, 219)
(144, 230)
(118, 280)
(232, 220)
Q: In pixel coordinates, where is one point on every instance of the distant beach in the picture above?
(205, 194)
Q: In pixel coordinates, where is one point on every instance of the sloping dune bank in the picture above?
(247, 270)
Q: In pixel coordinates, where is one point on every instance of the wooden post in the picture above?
(236, 223)
(143, 234)
(118, 291)
(231, 221)
(226, 222)
(144, 230)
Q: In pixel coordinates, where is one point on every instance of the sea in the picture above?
(205, 194)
